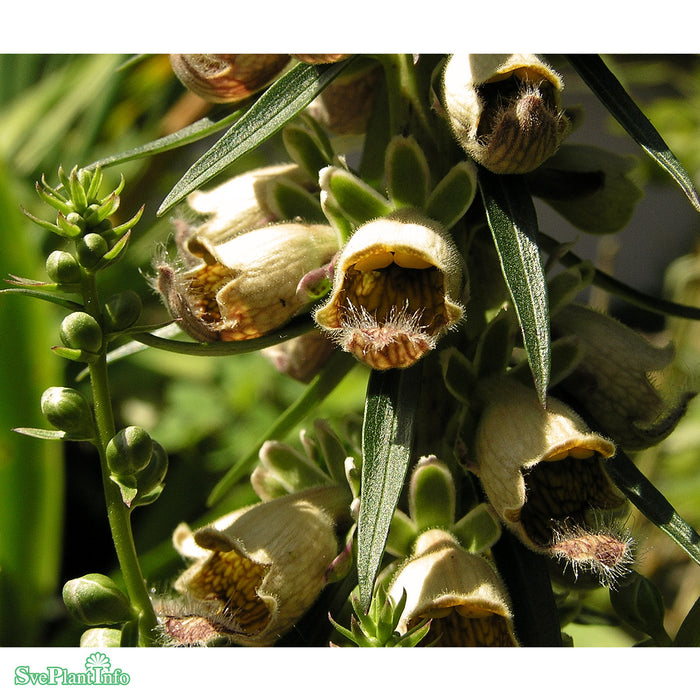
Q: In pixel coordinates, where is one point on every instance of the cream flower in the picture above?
(504, 109)
(543, 472)
(396, 291)
(247, 285)
(242, 203)
(257, 571)
(460, 592)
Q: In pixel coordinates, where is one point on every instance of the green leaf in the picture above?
(407, 171)
(610, 92)
(277, 105)
(513, 223)
(357, 201)
(453, 195)
(652, 503)
(191, 133)
(387, 437)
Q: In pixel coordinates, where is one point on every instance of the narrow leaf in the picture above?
(190, 134)
(610, 92)
(387, 437)
(41, 433)
(652, 503)
(513, 223)
(277, 105)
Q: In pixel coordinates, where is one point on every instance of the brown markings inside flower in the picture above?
(560, 492)
(521, 124)
(392, 309)
(234, 580)
(469, 629)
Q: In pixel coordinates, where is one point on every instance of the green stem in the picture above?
(407, 109)
(117, 511)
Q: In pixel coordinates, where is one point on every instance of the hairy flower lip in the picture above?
(395, 289)
(504, 109)
(539, 466)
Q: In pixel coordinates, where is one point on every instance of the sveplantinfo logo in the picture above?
(98, 671)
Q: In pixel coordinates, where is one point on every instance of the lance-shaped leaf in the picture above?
(277, 105)
(610, 92)
(652, 503)
(387, 437)
(513, 223)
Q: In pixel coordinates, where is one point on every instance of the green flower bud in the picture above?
(122, 310)
(101, 637)
(129, 451)
(95, 599)
(62, 267)
(81, 331)
(154, 472)
(68, 410)
(90, 250)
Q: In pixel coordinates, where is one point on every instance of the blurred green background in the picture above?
(76, 109)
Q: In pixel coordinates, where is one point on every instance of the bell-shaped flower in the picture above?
(460, 593)
(256, 571)
(543, 472)
(396, 291)
(248, 285)
(504, 109)
(243, 202)
(614, 380)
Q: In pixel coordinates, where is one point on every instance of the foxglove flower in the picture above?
(242, 203)
(396, 291)
(247, 285)
(256, 571)
(458, 591)
(504, 109)
(227, 77)
(543, 471)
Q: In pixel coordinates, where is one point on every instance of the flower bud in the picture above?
(504, 109)
(68, 410)
(344, 106)
(395, 292)
(129, 451)
(460, 592)
(122, 310)
(301, 358)
(91, 249)
(95, 599)
(101, 637)
(81, 331)
(226, 78)
(62, 267)
(248, 285)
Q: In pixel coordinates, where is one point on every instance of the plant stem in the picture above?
(117, 511)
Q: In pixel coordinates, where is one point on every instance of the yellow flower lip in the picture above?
(381, 259)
